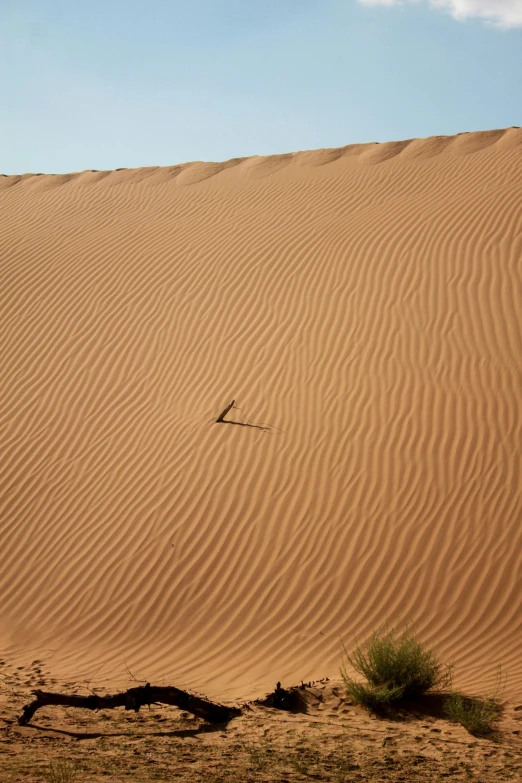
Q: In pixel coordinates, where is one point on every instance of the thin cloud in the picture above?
(503, 13)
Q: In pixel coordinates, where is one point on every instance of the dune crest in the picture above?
(365, 302)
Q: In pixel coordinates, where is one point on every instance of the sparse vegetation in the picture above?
(305, 756)
(61, 771)
(396, 666)
(477, 714)
(330, 743)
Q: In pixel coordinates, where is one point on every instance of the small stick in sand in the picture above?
(222, 415)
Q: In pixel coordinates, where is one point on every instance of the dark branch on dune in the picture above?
(221, 420)
(133, 699)
(288, 699)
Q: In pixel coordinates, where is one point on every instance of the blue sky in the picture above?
(122, 83)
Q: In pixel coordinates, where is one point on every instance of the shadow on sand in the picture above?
(86, 735)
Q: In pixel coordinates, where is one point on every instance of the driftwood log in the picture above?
(133, 699)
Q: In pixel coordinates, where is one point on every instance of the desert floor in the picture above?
(332, 740)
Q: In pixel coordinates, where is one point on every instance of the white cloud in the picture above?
(507, 13)
(504, 13)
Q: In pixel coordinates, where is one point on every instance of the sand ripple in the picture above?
(366, 301)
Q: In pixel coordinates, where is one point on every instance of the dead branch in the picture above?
(133, 699)
(222, 415)
(289, 700)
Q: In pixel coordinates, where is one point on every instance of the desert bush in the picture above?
(477, 715)
(396, 666)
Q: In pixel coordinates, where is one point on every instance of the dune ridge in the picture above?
(366, 302)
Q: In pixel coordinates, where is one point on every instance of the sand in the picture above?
(332, 742)
(363, 307)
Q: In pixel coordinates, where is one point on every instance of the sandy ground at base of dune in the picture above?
(331, 740)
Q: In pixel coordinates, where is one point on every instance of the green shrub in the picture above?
(396, 666)
(370, 697)
(477, 715)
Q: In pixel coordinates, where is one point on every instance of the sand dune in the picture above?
(365, 303)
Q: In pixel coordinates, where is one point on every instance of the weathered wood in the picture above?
(222, 415)
(290, 700)
(133, 699)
